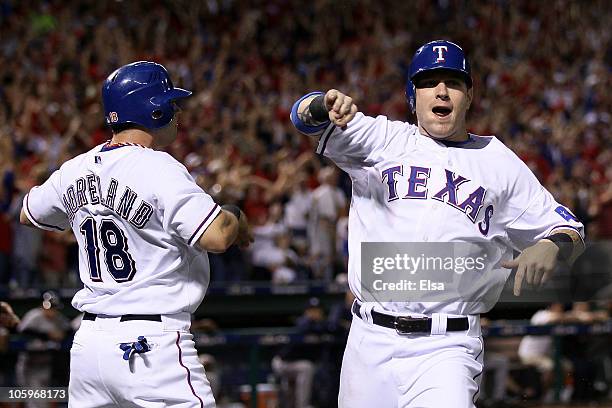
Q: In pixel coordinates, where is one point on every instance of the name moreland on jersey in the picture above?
(136, 214)
(87, 190)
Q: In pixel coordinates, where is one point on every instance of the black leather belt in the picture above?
(410, 325)
(128, 317)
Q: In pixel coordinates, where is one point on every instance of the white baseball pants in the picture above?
(384, 369)
(167, 375)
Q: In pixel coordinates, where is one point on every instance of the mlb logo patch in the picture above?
(114, 118)
(98, 159)
(566, 214)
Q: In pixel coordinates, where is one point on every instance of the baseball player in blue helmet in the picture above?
(431, 183)
(140, 93)
(436, 55)
(144, 228)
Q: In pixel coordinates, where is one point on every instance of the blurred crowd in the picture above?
(541, 75)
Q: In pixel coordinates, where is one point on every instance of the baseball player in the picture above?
(432, 182)
(144, 228)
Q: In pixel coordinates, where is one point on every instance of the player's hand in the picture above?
(245, 235)
(8, 318)
(341, 107)
(535, 264)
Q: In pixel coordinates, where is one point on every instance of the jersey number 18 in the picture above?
(119, 262)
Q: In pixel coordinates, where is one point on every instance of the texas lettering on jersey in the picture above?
(417, 190)
(87, 190)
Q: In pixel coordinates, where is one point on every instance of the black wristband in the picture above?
(233, 209)
(318, 110)
(565, 244)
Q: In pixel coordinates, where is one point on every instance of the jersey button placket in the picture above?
(439, 158)
(436, 213)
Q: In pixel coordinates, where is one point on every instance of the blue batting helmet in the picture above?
(437, 54)
(140, 93)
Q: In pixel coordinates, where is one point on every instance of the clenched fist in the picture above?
(340, 106)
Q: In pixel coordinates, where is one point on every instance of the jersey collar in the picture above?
(463, 143)
(112, 146)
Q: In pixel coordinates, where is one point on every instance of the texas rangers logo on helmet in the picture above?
(439, 49)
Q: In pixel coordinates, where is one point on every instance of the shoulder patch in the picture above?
(566, 214)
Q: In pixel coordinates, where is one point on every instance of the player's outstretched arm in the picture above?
(316, 110)
(536, 263)
(228, 228)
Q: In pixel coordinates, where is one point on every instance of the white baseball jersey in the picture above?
(136, 214)
(411, 188)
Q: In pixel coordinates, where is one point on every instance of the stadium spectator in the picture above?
(47, 328)
(27, 242)
(328, 202)
(537, 351)
(297, 210)
(297, 362)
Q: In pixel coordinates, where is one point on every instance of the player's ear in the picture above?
(470, 96)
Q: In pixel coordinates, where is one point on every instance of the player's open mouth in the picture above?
(441, 111)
